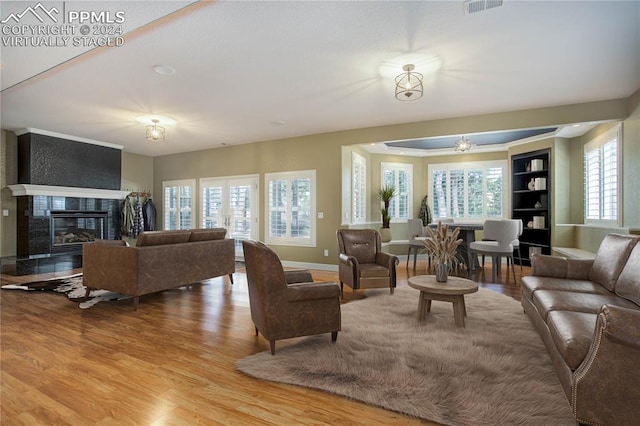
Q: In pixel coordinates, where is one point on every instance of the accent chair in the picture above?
(362, 263)
(282, 306)
(498, 236)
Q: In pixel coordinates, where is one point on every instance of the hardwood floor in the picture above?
(171, 362)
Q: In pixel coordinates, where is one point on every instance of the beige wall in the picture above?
(8, 176)
(324, 153)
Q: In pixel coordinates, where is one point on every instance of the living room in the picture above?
(199, 150)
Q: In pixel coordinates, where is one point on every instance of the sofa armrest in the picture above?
(606, 382)
(110, 267)
(293, 276)
(312, 291)
(350, 261)
(387, 260)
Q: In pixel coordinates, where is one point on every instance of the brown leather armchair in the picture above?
(283, 307)
(362, 264)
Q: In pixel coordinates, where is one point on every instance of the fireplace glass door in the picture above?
(72, 228)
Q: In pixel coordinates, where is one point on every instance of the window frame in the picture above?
(597, 144)
(466, 166)
(179, 183)
(394, 206)
(289, 240)
(359, 195)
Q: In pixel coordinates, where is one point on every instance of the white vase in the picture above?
(385, 234)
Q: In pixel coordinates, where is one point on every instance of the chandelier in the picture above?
(155, 132)
(462, 145)
(409, 84)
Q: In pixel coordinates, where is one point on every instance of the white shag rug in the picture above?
(496, 371)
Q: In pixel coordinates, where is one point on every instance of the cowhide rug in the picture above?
(496, 371)
(72, 287)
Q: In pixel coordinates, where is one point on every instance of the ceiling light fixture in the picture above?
(462, 145)
(155, 132)
(409, 84)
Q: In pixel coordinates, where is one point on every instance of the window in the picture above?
(358, 188)
(179, 203)
(400, 175)
(474, 191)
(291, 208)
(601, 188)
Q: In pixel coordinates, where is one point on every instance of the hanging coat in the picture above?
(138, 220)
(127, 217)
(149, 215)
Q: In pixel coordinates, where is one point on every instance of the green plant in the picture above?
(442, 246)
(385, 194)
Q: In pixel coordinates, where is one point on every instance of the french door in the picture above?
(231, 203)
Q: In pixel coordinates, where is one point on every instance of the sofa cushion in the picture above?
(547, 301)
(572, 333)
(628, 285)
(372, 270)
(207, 234)
(531, 284)
(611, 258)
(157, 238)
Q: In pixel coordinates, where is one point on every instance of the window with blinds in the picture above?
(473, 191)
(400, 176)
(179, 203)
(601, 181)
(291, 208)
(358, 188)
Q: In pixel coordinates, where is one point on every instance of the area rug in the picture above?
(72, 287)
(496, 371)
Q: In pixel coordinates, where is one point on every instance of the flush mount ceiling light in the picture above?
(164, 69)
(409, 84)
(462, 145)
(155, 132)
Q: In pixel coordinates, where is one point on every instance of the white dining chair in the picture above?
(415, 229)
(501, 234)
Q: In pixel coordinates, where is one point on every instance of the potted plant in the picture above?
(385, 194)
(442, 247)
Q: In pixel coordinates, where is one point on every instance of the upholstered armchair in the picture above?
(281, 305)
(362, 263)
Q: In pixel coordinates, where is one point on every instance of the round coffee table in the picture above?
(452, 291)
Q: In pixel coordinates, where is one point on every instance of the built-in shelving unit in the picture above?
(531, 201)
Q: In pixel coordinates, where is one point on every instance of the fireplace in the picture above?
(71, 228)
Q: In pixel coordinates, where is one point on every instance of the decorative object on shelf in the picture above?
(386, 193)
(462, 145)
(442, 247)
(155, 132)
(537, 165)
(540, 184)
(528, 167)
(532, 185)
(534, 250)
(538, 222)
(409, 84)
(530, 224)
(538, 204)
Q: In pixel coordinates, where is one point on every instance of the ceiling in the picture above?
(253, 71)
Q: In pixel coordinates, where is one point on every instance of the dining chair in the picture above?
(415, 229)
(499, 235)
(516, 246)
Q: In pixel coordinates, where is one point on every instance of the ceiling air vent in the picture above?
(474, 6)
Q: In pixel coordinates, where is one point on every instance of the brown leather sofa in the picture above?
(588, 315)
(161, 260)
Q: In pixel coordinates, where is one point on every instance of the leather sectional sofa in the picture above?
(588, 315)
(161, 260)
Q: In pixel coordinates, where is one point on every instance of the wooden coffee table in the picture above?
(452, 291)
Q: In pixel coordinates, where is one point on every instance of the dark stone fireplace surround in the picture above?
(63, 178)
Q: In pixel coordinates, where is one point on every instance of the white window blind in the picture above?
(358, 188)
(400, 176)
(601, 187)
(178, 204)
(291, 208)
(472, 191)
(211, 206)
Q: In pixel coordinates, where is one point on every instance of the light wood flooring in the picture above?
(169, 363)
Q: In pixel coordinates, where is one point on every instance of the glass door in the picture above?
(231, 203)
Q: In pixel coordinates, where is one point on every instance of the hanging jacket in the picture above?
(138, 220)
(127, 217)
(425, 212)
(149, 215)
